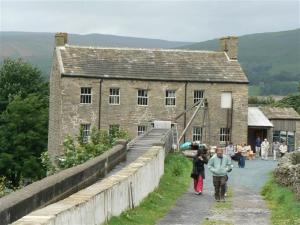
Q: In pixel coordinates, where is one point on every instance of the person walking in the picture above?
(198, 173)
(275, 147)
(220, 165)
(283, 149)
(265, 145)
(257, 146)
(230, 150)
(238, 154)
(243, 156)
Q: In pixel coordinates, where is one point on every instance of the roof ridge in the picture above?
(140, 49)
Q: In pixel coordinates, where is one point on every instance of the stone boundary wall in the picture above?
(288, 172)
(58, 186)
(97, 203)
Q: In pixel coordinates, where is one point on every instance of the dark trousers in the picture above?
(220, 187)
(242, 161)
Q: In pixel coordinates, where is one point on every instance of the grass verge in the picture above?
(285, 209)
(173, 184)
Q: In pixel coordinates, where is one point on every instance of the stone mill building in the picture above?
(132, 87)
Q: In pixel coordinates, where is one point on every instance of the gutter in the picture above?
(151, 79)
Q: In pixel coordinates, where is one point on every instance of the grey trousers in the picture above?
(220, 187)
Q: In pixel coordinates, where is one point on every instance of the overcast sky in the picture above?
(170, 20)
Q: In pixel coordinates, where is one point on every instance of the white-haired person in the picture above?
(265, 146)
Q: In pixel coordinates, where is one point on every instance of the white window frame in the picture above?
(170, 98)
(85, 95)
(86, 132)
(197, 133)
(141, 129)
(114, 96)
(224, 135)
(142, 97)
(198, 96)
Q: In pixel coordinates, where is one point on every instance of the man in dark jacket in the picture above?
(198, 173)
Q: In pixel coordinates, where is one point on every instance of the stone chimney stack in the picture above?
(230, 46)
(61, 39)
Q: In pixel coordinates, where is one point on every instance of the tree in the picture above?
(292, 100)
(19, 78)
(23, 137)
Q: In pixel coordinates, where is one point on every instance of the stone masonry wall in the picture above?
(129, 115)
(55, 101)
(60, 185)
(288, 172)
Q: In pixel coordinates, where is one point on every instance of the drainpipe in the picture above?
(184, 119)
(100, 102)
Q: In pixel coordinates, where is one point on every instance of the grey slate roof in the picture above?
(150, 64)
(280, 113)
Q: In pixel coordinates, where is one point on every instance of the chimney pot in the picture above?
(61, 39)
(229, 45)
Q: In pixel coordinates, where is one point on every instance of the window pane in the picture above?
(141, 129)
(142, 97)
(114, 96)
(198, 95)
(86, 95)
(197, 134)
(170, 97)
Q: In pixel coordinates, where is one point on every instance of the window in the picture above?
(142, 97)
(198, 96)
(86, 95)
(226, 100)
(197, 133)
(141, 129)
(224, 135)
(86, 132)
(114, 96)
(170, 97)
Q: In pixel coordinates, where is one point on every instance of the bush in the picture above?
(79, 152)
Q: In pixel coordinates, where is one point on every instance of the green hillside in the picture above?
(270, 60)
(37, 48)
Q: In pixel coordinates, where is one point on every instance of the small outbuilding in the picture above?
(286, 125)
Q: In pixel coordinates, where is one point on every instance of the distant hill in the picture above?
(37, 48)
(270, 60)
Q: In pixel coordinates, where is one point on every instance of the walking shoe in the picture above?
(200, 193)
(223, 200)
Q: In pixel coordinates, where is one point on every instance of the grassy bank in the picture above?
(173, 184)
(285, 209)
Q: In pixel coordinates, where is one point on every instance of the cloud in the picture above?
(180, 20)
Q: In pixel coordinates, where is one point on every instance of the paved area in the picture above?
(248, 207)
(139, 146)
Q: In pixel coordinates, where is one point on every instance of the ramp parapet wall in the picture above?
(58, 186)
(111, 196)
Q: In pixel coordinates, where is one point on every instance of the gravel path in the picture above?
(248, 207)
